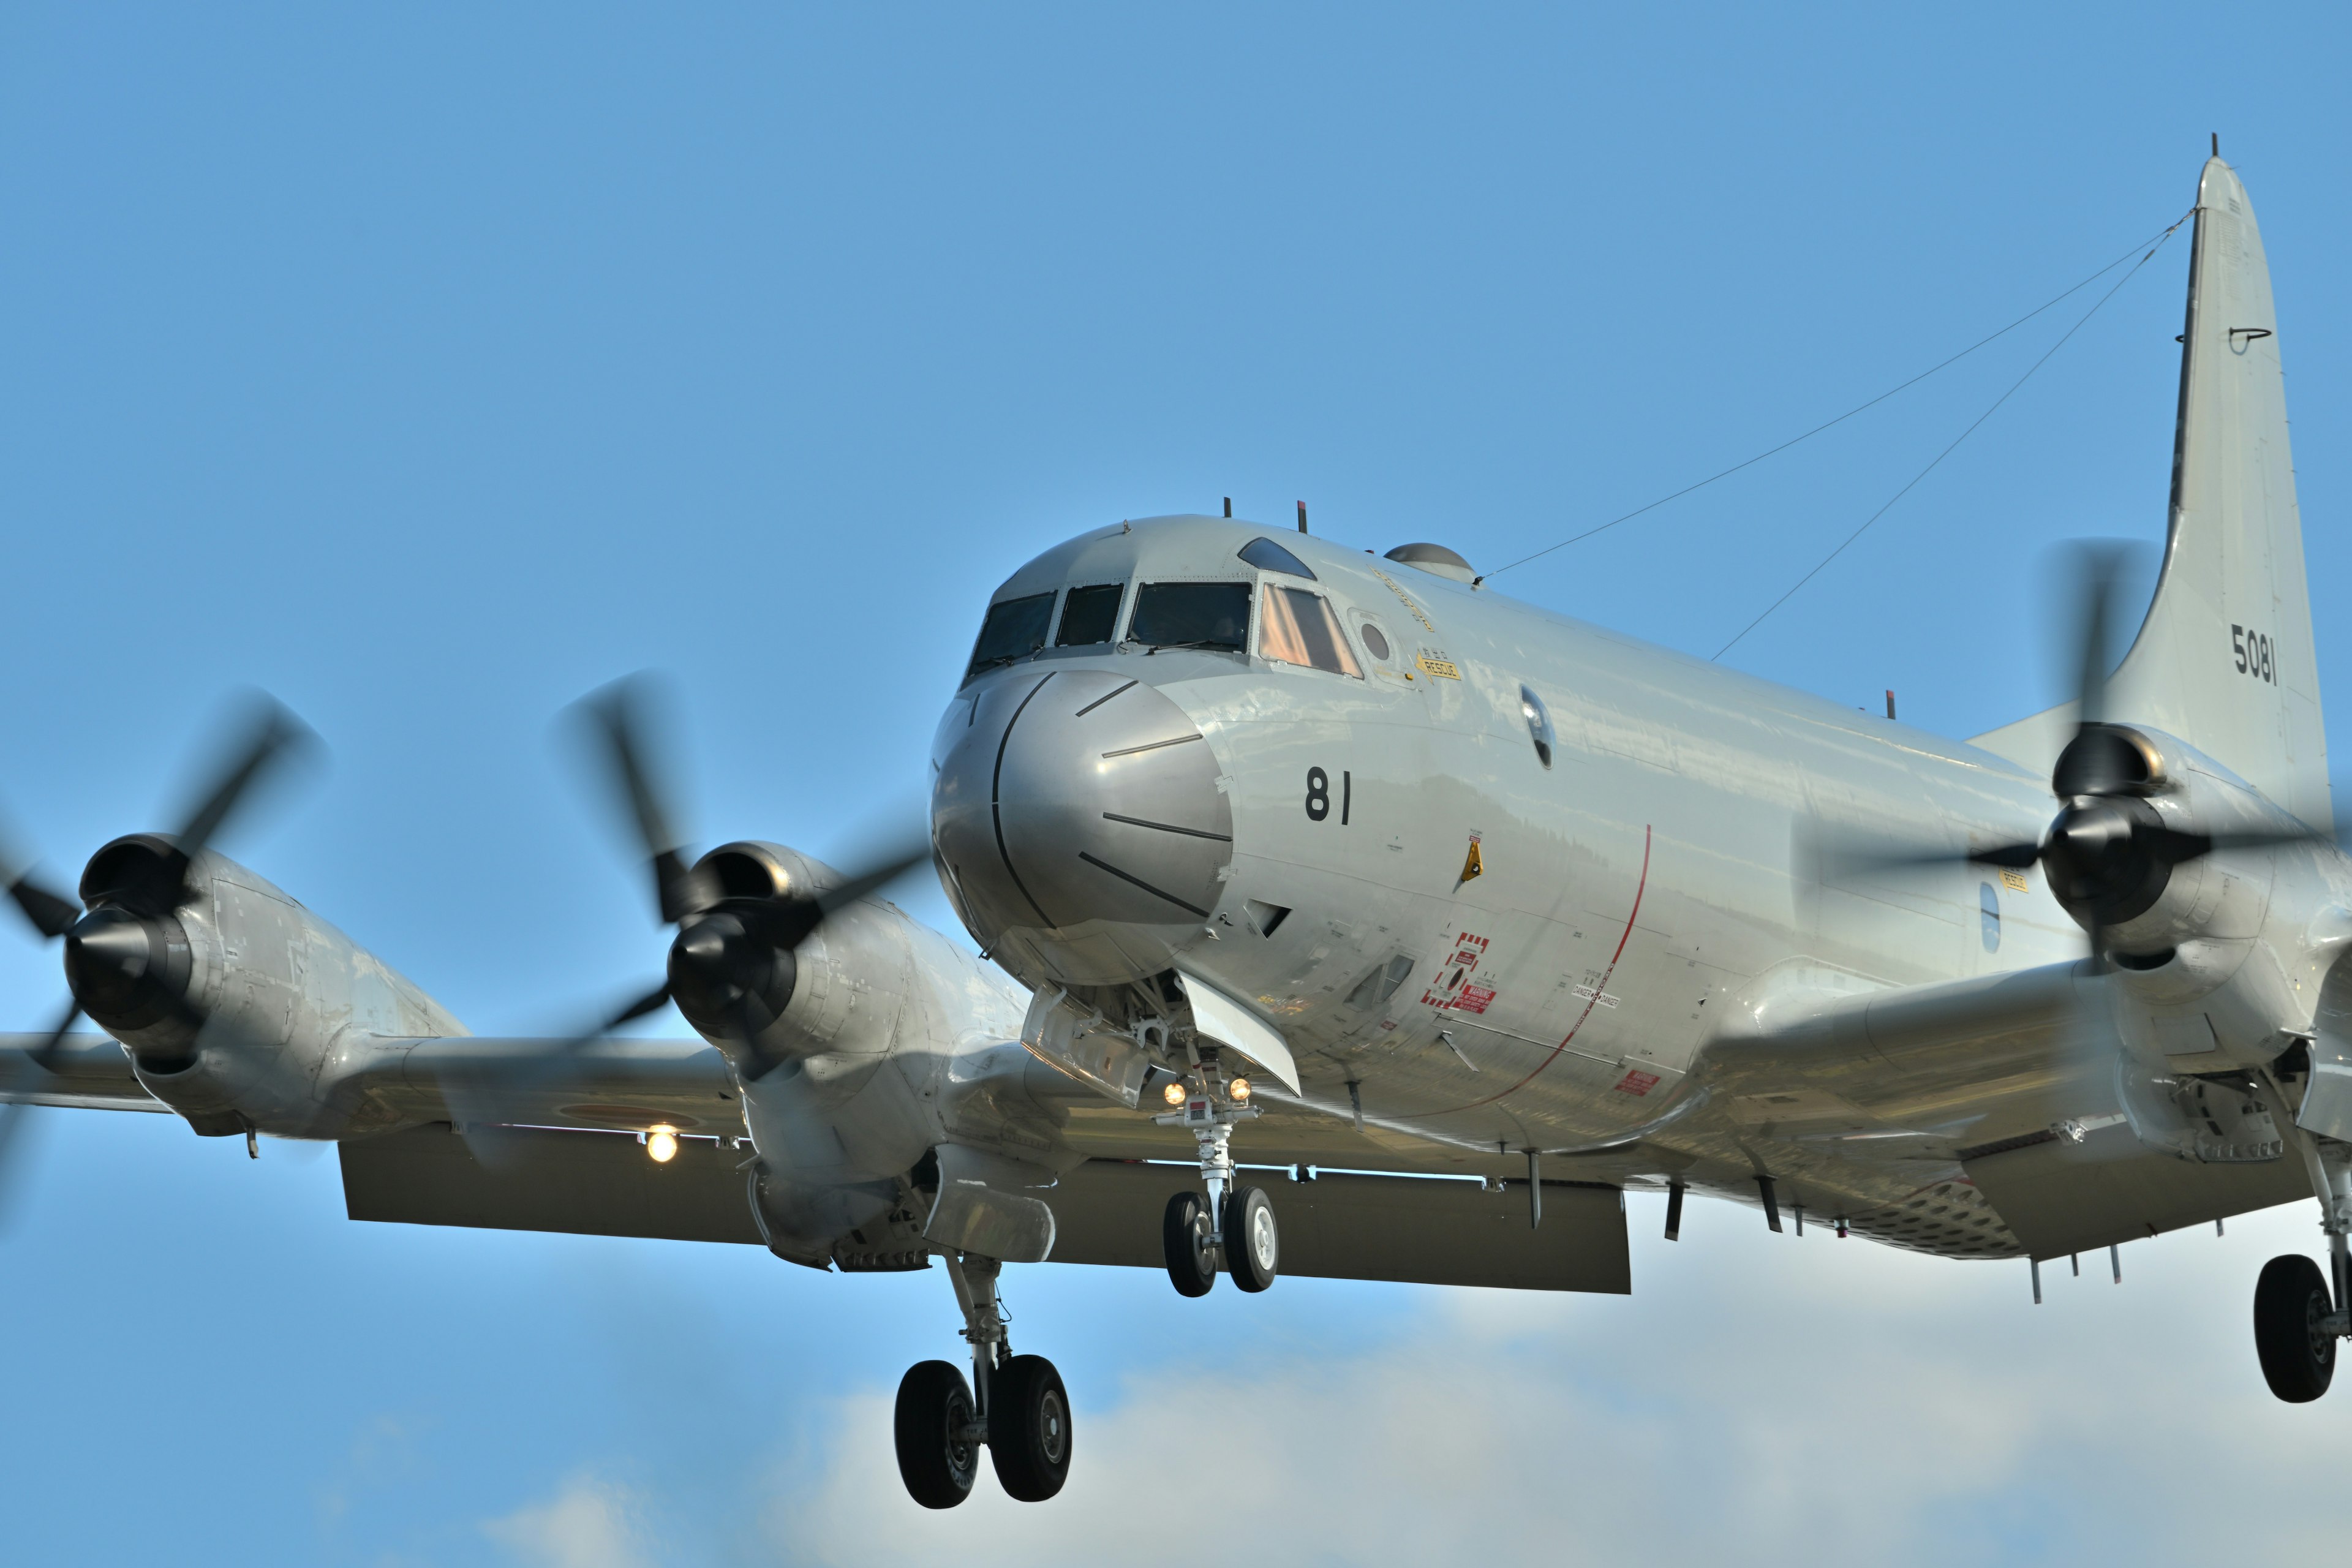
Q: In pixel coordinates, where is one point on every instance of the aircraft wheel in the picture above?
(1253, 1249)
(2298, 1356)
(936, 1460)
(1184, 1235)
(1029, 1428)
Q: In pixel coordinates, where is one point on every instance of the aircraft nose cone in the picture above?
(1078, 816)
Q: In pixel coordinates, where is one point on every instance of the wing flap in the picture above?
(585, 1183)
(2057, 1198)
(1415, 1230)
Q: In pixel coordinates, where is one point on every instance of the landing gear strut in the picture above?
(1015, 1406)
(1235, 1226)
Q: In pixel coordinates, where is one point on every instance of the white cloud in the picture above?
(589, 1524)
(1759, 1399)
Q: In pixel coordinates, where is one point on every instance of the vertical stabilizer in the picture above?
(2224, 659)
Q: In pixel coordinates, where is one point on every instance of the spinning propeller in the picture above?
(2108, 853)
(126, 960)
(731, 966)
(118, 957)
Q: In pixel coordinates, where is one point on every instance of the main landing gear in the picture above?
(1015, 1406)
(2299, 1311)
(1235, 1226)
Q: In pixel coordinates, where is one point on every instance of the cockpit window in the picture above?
(1298, 628)
(1192, 615)
(1267, 556)
(1014, 630)
(1089, 614)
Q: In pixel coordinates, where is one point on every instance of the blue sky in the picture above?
(430, 366)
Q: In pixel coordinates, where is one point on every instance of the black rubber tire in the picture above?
(1184, 1237)
(935, 1462)
(1029, 1428)
(2290, 1298)
(1253, 1246)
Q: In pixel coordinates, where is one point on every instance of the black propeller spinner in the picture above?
(732, 968)
(126, 959)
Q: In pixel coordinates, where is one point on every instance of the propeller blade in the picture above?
(274, 732)
(874, 877)
(2098, 570)
(653, 1001)
(756, 1063)
(2095, 763)
(2265, 837)
(616, 713)
(45, 1055)
(50, 914)
(1837, 856)
(787, 921)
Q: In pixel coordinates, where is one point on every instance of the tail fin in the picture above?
(2224, 659)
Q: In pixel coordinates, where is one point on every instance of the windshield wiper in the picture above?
(1209, 645)
(998, 662)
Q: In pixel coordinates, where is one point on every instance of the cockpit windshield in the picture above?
(1014, 630)
(1089, 615)
(1192, 615)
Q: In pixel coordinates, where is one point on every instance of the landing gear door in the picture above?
(2327, 1102)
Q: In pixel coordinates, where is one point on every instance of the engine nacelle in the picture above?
(242, 1010)
(832, 996)
(2215, 967)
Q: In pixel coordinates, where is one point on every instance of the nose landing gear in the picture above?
(1015, 1406)
(1236, 1225)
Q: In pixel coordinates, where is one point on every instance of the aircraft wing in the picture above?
(615, 1083)
(618, 1082)
(1986, 1071)
(86, 1072)
(1995, 1045)
(560, 1156)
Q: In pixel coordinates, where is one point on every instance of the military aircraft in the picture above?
(1302, 876)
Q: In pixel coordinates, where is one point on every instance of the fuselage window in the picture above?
(1989, 908)
(1089, 615)
(1192, 615)
(1539, 729)
(1014, 630)
(1376, 641)
(1267, 556)
(1298, 628)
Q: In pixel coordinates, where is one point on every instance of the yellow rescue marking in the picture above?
(1443, 668)
(1402, 597)
(2014, 880)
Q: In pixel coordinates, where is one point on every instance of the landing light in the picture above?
(1174, 1093)
(662, 1144)
(1239, 1090)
